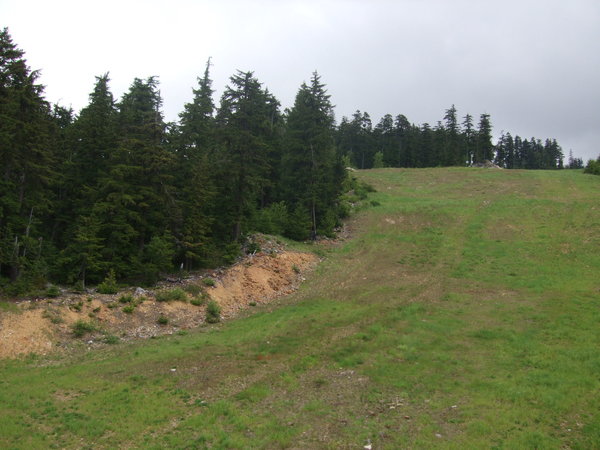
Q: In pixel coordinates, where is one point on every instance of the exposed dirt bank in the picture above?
(44, 325)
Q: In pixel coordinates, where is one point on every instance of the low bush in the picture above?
(52, 291)
(213, 312)
(111, 339)
(170, 295)
(593, 167)
(198, 301)
(81, 328)
(128, 309)
(208, 281)
(127, 298)
(109, 285)
(162, 320)
(193, 289)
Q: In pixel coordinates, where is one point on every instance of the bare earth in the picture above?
(45, 325)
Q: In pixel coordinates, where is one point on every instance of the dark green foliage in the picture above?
(27, 178)
(195, 143)
(247, 121)
(128, 309)
(162, 320)
(52, 291)
(208, 282)
(115, 188)
(109, 285)
(213, 312)
(198, 301)
(273, 219)
(312, 174)
(111, 339)
(193, 289)
(127, 298)
(167, 295)
(593, 167)
(81, 328)
(574, 163)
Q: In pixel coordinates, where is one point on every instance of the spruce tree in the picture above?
(245, 129)
(452, 154)
(468, 140)
(484, 150)
(136, 199)
(195, 146)
(311, 173)
(27, 163)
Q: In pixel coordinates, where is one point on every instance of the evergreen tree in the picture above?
(469, 135)
(405, 138)
(452, 153)
(136, 199)
(245, 124)
(195, 145)
(311, 178)
(386, 142)
(485, 149)
(27, 163)
(90, 141)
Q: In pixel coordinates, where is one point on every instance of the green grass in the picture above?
(463, 314)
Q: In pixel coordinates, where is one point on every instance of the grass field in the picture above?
(464, 313)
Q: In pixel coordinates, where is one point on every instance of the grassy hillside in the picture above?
(464, 314)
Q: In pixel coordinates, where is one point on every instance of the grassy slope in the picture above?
(464, 314)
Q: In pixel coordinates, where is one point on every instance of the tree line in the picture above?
(395, 142)
(116, 188)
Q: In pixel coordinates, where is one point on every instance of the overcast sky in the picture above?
(533, 65)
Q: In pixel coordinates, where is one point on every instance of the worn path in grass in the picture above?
(463, 314)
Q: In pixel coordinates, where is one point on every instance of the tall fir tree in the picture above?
(195, 146)
(245, 159)
(452, 153)
(136, 199)
(311, 173)
(27, 163)
(484, 150)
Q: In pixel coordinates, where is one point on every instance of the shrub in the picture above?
(213, 312)
(593, 167)
(193, 289)
(295, 268)
(272, 220)
(111, 339)
(198, 301)
(79, 287)
(162, 320)
(231, 252)
(109, 285)
(252, 247)
(170, 295)
(127, 298)
(208, 281)
(128, 309)
(81, 328)
(52, 291)
(77, 306)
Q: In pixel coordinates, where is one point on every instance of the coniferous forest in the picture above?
(115, 188)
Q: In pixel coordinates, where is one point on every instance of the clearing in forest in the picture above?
(462, 314)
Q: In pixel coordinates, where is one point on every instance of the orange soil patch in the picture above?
(26, 332)
(45, 325)
(260, 279)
